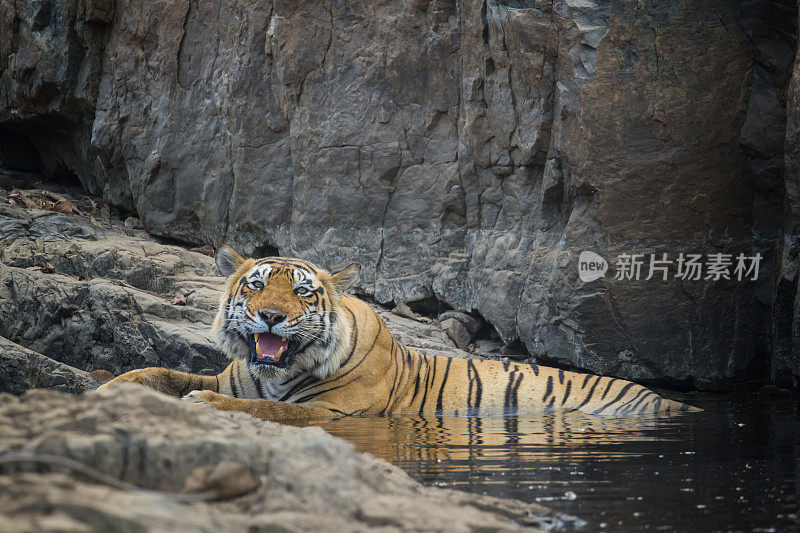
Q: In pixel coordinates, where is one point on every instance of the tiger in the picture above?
(303, 349)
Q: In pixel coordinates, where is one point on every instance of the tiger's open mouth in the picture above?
(270, 349)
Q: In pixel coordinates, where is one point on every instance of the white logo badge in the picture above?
(591, 266)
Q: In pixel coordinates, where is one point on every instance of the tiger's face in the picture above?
(281, 315)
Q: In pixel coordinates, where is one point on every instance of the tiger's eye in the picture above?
(301, 291)
(256, 285)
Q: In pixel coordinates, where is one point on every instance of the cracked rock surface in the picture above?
(77, 296)
(465, 151)
(307, 479)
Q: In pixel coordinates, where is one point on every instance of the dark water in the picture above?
(735, 466)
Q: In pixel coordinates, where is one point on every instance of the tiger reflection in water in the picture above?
(463, 440)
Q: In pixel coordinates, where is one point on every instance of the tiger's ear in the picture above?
(345, 278)
(228, 261)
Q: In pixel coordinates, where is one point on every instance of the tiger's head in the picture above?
(282, 315)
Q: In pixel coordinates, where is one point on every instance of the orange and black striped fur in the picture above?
(341, 360)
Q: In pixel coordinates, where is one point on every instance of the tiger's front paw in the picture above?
(144, 376)
(204, 396)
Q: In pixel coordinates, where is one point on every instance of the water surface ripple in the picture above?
(735, 466)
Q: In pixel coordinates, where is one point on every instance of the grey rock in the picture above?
(473, 324)
(307, 479)
(517, 356)
(426, 337)
(786, 362)
(457, 332)
(22, 369)
(463, 151)
(487, 347)
(100, 11)
(404, 311)
(104, 302)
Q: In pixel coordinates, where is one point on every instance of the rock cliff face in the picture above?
(464, 152)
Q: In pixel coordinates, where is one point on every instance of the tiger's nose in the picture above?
(271, 317)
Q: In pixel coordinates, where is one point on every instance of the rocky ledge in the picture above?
(248, 474)
(95, 294)
(84, 297)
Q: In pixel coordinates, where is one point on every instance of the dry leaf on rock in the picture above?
(133, 223)
(66, 207)
(205, 250)
(101, 376)
(224, 480)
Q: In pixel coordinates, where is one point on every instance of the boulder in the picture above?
(457, 332)
(404, 311)
(22, 369)
(264, 475)
(487, 347)
(471, 323)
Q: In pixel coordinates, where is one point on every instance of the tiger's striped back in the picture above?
(381, 376)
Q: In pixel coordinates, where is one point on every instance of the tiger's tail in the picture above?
(671, 407)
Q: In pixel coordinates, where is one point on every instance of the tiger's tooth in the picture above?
(283, 339)
(278, 353)
(259, 351)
